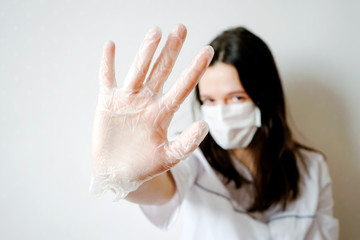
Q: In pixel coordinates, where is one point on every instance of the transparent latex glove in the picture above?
(129, 141)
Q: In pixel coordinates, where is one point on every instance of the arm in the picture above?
(325, 225)
(156, 191)
(329, 226)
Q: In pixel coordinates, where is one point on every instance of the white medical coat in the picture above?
(212, 210)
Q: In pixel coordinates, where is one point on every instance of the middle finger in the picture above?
(167, 58)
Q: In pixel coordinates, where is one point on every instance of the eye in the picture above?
(207, 101)
(236, 99)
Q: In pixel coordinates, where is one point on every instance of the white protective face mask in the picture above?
(234, 125)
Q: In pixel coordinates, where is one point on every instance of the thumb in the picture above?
(187, 142)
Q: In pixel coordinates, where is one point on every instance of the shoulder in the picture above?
(199, 158)
(191, 166)
(311, 154)
(313, 165)
(201, 161)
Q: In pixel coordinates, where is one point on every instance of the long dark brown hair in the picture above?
(274, 149)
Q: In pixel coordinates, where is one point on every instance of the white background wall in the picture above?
(49, 58)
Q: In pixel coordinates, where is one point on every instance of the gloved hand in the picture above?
(129, 141)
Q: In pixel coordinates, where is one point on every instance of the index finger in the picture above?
(188, 79)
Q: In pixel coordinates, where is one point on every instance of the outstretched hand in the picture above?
(129, 142)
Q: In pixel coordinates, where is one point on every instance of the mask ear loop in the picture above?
(257, 103)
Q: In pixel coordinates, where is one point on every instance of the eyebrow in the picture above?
(230, 93)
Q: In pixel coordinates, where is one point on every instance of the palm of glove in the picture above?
(132, 135)
(130, 142)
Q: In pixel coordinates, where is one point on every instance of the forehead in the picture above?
(220, 78)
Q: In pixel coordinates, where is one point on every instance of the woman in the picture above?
(247, 179)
